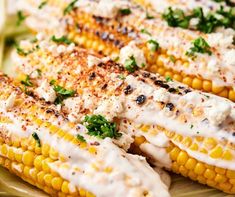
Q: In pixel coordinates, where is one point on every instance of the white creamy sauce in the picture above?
(92, 61)
(165, 177)
(9, 103)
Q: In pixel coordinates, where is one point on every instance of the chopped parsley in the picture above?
(21, 51)
(144, 31)
(168, 78)
(199, 46)
(61, 92)
(122, 77)
(70, 7)
(130, 64)
(125, 11)
(172, 58)
(42, 4)
(207, 23)
(20, 18)
(35, 136)
(98, 126)
(62, 39)
(81, 138)
(39, 72)
(154, 45)
(27, 81)
(191, 126)
(176, 18)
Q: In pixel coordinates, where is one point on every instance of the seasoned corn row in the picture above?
(186, 131)
(43, 148)
(164, 48)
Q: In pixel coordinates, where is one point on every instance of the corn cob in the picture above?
(211, 73)
(186, 131)
(43, 148)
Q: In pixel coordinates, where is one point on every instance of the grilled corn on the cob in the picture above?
(43, 148)
(202, 61)
(189, 132)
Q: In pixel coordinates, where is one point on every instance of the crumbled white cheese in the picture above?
(34, 74)
(46, 92)
(213, 66)
(219, 40)
(88, 102)
(161, 95)
(193, 22)
(124, 141)
(217, 111)
(228, 58)
(103, 8)
(40, 36)
(61, 49)
(73, 104)
(110, 107)
(132, 50)
(71, 47)
(92, 61)
(26, 44)
(10, 101)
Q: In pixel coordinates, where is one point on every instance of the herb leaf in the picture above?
(176, 18)
(199, 46)
(37, 139)
(61, 92)
(168, 78)
(154, 45)
(98, 126)
(148, 16)
(125, 11)
(70, 7)
(81, 138)
(27, 81)
(144, 31)
(20, 51)
(20, 17)
(130, 64)
(60, 40)
(42, 4)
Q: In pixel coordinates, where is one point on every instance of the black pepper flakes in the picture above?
(170, 106)
(187, 91)
(172, 90)
(146, 75)
(233, 134)
(141, 99)
(128, 90)
(104, 86)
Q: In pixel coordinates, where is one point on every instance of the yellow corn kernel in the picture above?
(65, 187)
(53, 154)
(225, 186)
(187, 81)
(210, 143)
(216, 89)
(92, 150)
(220, 170)
(227, 155)
(175, 167)
(38, 162)
(182, 158)
(40, 177)
(231, 95)
(45, 165)
(197, 84)
(183, 171)
(209, 174)
(220, 178)
(139, 140)
(190, 164)
(28, 158)
(11, 154)
(216, 152)
(230, 174)
(45, 150)
(207, 85)
(48, 179)
(194, 147)
(57, 183)
(145, 128)
(199, 168)
(174, 153)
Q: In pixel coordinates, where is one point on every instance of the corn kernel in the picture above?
(57, 183)
(199, 168)
(28, 158)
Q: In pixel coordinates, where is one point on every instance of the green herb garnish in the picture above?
(144, 31)
(168, 78)
(20, 51)
(125, 11)
(42, 4)
(61, 92)
(122, 77)
(98, 126)
(60, 40)
(20, 18)
(199, 46)
(27, 81)
(130, 64)
(176, 18)
(81, 138)
(172, 58)
(191, 126)
(70, 7)
(39, 72)
(154, 45)
(35, 136)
